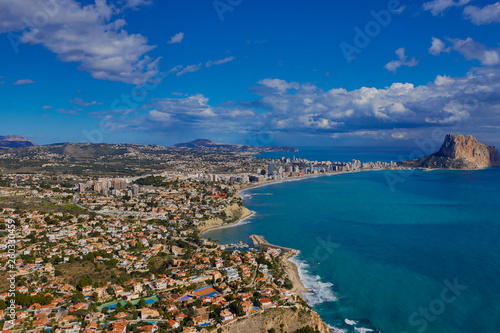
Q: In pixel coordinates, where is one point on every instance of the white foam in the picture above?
(350, 322)
(335, 329)
(322, 290)
(363, 330)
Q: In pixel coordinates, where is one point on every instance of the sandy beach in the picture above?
(293, 274)
(219, 224)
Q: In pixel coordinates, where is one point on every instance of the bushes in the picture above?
(306, 329)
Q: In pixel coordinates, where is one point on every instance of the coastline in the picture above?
(293, 274)
(290, 267)
(246, 214)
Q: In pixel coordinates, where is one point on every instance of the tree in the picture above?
(142, 303)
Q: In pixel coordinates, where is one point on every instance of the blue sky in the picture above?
(258, 72)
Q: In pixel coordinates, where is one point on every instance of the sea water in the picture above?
(421, 254)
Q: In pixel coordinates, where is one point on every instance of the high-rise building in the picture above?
(271, 169)
(135, 189)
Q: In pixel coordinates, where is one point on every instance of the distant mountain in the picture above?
(204, 144)
(15, 141)
(459, 152)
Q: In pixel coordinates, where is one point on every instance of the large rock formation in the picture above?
(459, 152)
(281, 319)
(15, 141)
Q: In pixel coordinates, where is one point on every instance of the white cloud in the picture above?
(180, 70)
(23, 82)
(177, 38)
(85, 34)
(485, 15)
(469, 48)
(157, 116)
(442, 80)
(189, 69)
(80, 102)
(474, 50)
(218, 62)
(400, 111)
(437, 47)
(136, 3)
(46, 107)
(279, 85)
(72, 112)
(403, 61)
(437, 7)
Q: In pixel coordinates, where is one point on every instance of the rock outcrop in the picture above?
(459, 152)
(233, 213)
(281, 319)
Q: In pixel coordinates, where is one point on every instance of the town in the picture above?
(116, 254)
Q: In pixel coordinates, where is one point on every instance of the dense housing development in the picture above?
(99, 251)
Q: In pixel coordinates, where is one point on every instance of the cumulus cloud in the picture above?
(486, 15)
(437, 7)
(177, 38)
(437, 47)
(394, 112)
(194, 112)
(471, 49)
(403, 61)
(85, 34)
(23, 82)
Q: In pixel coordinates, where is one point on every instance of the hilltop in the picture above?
(459, 152)
(15, 141)
(204, 144)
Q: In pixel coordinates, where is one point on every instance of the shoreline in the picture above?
(248, 213)
(291, 268)
(204, 229)
(293, 274)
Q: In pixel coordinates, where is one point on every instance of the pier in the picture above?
(259, 241)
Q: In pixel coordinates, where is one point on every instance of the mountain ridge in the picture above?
(208, 144)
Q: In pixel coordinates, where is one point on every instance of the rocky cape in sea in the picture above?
(458, 152)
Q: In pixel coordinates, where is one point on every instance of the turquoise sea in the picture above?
(422, 255)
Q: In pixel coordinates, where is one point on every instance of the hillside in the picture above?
(459, 152)
(282, 320)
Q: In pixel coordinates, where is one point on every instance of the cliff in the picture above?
(281, 319)
(234, 214)
(459, 152)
